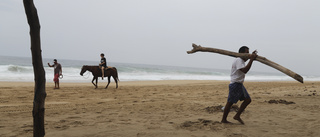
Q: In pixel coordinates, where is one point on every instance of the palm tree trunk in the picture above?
(39, 73)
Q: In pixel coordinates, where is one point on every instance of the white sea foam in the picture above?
(20, 69)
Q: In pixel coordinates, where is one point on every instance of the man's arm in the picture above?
(50, 65)
(252, 58)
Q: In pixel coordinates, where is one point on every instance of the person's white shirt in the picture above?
(237, 76)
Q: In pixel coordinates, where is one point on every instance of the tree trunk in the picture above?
(261, 59)
(39, 73)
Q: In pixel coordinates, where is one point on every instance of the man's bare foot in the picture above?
(225, 121)
(239, 119)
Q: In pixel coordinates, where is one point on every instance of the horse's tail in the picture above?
(116, 74)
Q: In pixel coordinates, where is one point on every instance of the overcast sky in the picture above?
(161, 31)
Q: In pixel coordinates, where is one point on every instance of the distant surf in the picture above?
(20, 69)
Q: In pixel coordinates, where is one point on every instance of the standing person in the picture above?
(236, 89)
(57, 72)
(103, 64)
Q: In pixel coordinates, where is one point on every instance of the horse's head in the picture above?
(84, 69)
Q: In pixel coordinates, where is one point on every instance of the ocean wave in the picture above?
(15, 69)
(133, 72)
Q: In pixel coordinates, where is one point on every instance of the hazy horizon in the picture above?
(160, 32)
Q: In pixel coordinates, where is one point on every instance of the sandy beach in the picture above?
(162, 109)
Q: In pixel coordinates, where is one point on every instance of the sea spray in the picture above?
(20, 69)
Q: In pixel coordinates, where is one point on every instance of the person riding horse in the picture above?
(103, 64)
(96, 72)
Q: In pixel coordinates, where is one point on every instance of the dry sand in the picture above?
(162, 109)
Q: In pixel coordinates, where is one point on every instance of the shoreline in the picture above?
(112, 81)
(168, 108)
(102, 84)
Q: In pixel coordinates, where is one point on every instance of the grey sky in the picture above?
(161, 31)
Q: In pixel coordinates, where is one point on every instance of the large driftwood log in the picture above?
(261, 59)
(39, 73)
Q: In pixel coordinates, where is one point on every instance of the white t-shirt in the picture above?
(236, 74)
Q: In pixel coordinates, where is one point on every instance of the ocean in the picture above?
(20, 69)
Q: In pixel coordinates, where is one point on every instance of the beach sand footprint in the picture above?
(201, 124)
(27, 128)
(281, 101)
(220, 108)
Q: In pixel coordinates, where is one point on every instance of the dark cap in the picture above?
(55, 60)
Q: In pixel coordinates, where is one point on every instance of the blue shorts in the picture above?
(237, 92)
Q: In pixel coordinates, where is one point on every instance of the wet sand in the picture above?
(162, 109)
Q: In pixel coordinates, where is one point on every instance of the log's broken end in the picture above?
(298, 78)
(190, 52)
(195, 48)
(195, 45)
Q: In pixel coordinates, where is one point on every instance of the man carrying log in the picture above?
(236, 89)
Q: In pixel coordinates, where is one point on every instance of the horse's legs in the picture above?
(97, 82)
(115, 81)
(95, 78)
(108, 81)
(92, 81)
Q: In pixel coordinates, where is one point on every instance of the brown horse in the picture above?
(96, 72)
